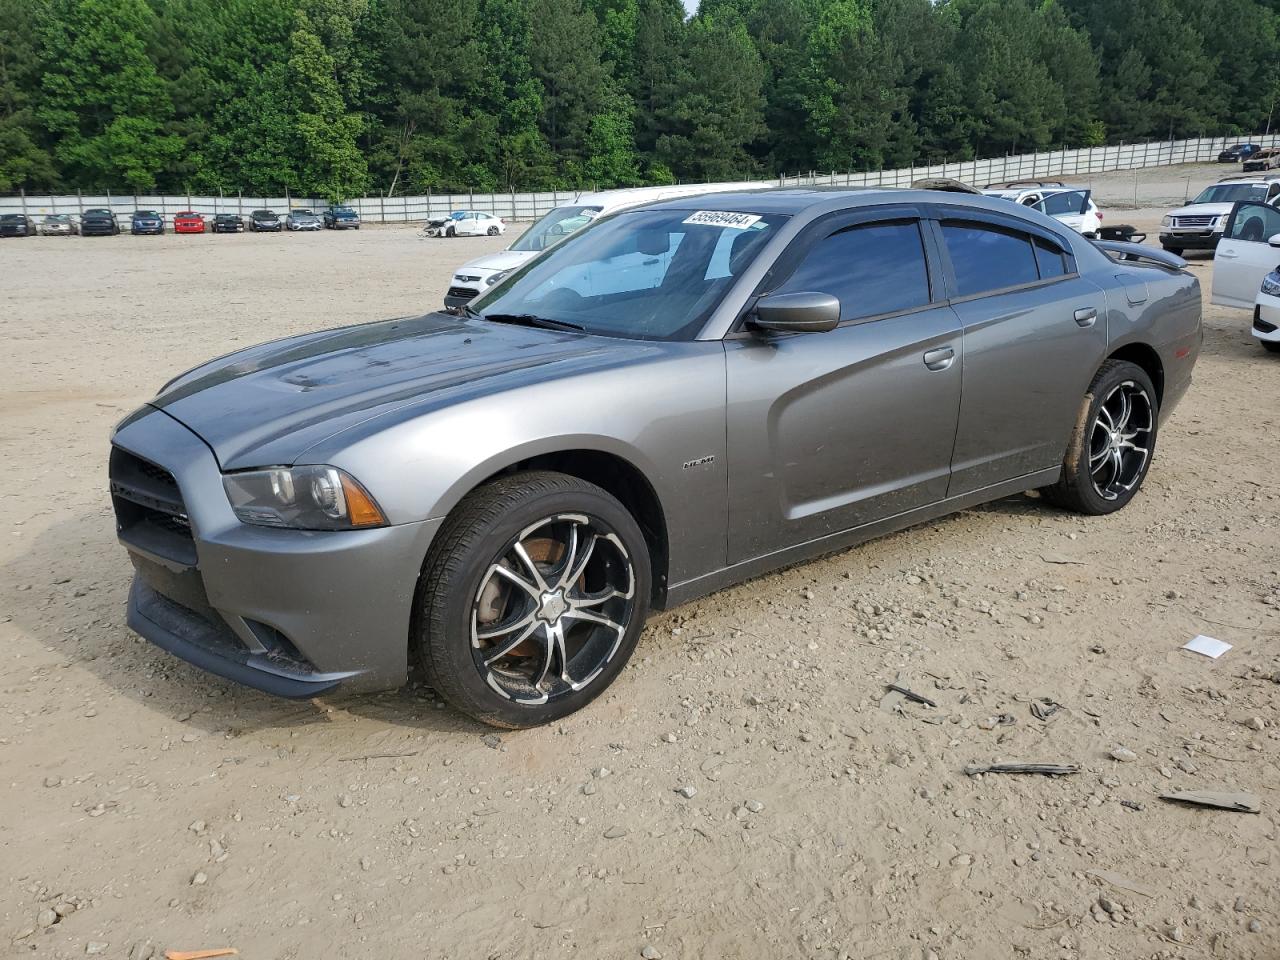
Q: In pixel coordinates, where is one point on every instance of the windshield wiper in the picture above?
(530, 320)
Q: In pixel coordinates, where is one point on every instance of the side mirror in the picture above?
(1274, 241)
(802, 312)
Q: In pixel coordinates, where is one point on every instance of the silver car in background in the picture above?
(676, 398)
(303, 219)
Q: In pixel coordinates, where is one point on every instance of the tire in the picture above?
(450, 232)
(1104, 468)
(1176, 251)
(1271, 346)
(471, 572)
(492, 231)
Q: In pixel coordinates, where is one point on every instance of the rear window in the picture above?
(987, 257)
(874, 270)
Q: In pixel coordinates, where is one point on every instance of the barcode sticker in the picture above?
(723, 218)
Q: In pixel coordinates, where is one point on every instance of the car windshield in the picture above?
(56, 218)
(343, 210)
(96, 211)
(1231, 192)
(644, 274)
(555, 226)
(301, 213)
(264, 213)
(145, 213)
(10, 217)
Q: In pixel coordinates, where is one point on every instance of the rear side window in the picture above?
(873, 269)
(989, 258)
(1050, 259)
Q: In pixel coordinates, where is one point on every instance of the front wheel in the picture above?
(1271, 346)
(1112, 444)
(1176, 251)
(532, 600)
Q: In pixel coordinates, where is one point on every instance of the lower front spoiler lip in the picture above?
(252, 670)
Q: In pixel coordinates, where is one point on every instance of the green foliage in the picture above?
(339, 97)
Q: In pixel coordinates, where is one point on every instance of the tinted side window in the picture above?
(874, 269)
(989, 258)
(1049, 259)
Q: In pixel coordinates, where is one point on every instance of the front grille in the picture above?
(465, 293)
(1192, 221)
(150, 513)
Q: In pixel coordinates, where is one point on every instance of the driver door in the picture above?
(830, 431)
(1245, 254)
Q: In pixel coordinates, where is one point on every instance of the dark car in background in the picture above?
(341, 218)
(1239, 153)
(146, 222)
(98, 222)
(16, 225)
(228, 223)
(265, 220)
(302, 219)
(59, 225)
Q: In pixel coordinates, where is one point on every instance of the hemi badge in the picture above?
(699, 462)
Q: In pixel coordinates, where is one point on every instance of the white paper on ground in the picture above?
(1207, 645)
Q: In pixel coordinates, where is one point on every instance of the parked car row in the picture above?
(101, 221)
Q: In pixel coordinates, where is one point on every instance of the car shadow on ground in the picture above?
(67, 593)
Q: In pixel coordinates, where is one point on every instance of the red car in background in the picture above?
(188, 221)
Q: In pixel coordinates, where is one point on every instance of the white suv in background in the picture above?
(475, 276)
(1073, 206)
(1199, 225)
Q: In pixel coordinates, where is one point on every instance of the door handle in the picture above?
(1087, 316)
(1227, 255)
(940, 358)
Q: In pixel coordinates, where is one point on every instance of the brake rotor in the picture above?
(545, 553)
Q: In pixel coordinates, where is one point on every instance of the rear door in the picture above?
(1245, 254)
(830, 431)
(1035, 333)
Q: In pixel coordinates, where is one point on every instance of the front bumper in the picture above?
(345, 225)
(1266, 319)
(152, 229)
(228, 228)
(268, 227)
(1191, 240)
(305, 226)
(293, 613)
(96, 230)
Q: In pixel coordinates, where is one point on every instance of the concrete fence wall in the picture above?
(1067, 164)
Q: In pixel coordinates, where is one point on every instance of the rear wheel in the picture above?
(1112, 444)
(493, 231)
(1271, 346)
(532, 599)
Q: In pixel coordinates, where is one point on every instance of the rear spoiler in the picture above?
(1120, 250)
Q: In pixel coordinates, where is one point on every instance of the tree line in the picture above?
(338, 98)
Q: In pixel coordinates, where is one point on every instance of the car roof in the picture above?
(818, 200)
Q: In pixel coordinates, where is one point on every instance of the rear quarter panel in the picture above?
(1168, 320)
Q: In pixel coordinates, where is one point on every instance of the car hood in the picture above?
(504, 260)
(268, 404)
(1202, 210)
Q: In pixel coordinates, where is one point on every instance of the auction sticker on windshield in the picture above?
(723, 218)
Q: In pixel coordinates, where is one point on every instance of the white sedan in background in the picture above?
(1246, 267)
(1071, 206)
(467, 223)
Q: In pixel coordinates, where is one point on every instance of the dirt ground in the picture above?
(145, 805)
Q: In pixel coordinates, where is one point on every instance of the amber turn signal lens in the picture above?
(361, 510)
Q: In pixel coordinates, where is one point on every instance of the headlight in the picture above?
(1271, 283)
(496, 277)
(301, 498)
(1167, 222)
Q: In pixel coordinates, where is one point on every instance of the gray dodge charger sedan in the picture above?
(676, 398)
